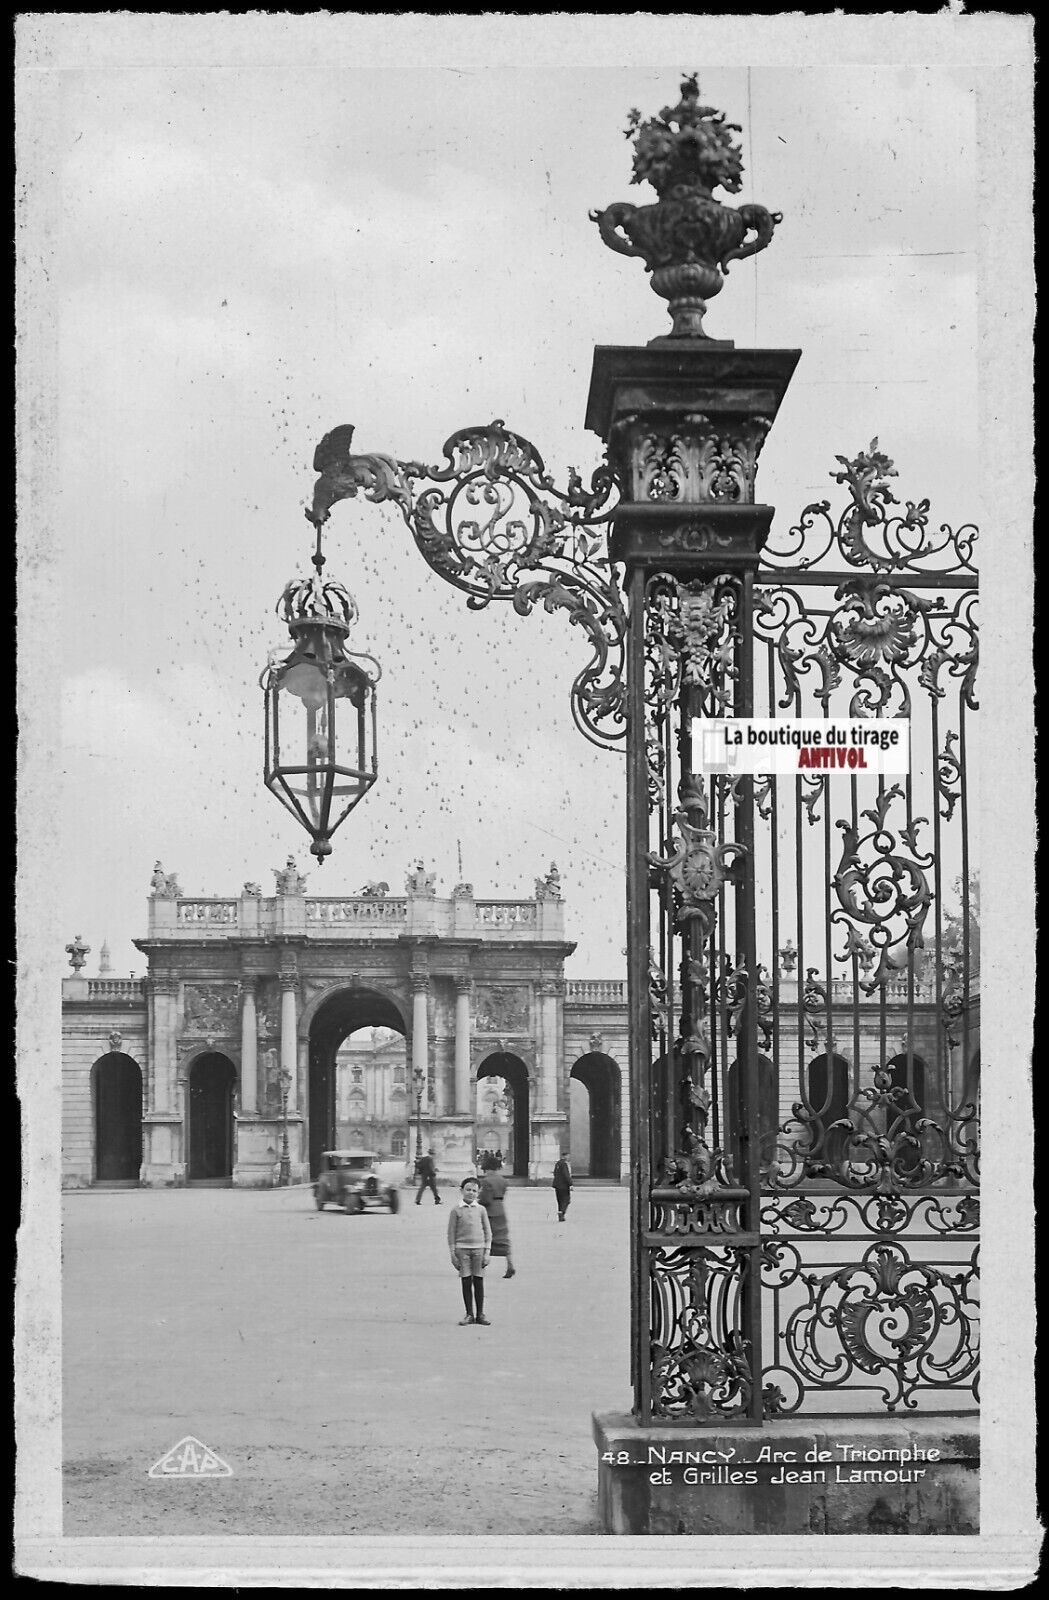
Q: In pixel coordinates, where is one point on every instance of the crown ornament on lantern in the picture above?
(688, 238)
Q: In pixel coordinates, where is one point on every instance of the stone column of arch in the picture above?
(289, 1058)
(163, 994)
(549, 1057)
(420, 991)
(249, 1048)
(463, 1099)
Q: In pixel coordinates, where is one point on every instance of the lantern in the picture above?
(320, 710)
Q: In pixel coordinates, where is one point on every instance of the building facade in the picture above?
(379, 1020)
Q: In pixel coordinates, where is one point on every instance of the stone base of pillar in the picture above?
(162, 1163)
(452, 1138)
(854, 1476)
(549, 1138)
(258, 1151)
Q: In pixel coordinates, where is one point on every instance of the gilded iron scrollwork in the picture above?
(700, 1362)
(882, 887)
(491, 522)
(869, 532)
(692, 645)
(911, 1326)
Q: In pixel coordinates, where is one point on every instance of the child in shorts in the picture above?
(470, 1247)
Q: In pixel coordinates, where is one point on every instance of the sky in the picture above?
(242, 231)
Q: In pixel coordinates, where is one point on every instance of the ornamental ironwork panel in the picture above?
(871, 887)
(491, 521)
(808, 1118)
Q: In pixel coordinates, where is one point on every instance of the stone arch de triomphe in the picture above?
(242, 992)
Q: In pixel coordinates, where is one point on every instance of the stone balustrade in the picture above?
(333, 916)
(221, 912)
(115, 989)
(596, 991)
(507, 913)
(356, 911)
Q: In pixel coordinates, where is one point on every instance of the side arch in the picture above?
(116, 1101)
(602, 1080)
(828, 1095)
(211, 1081)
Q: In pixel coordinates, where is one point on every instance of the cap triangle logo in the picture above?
(190, 1459)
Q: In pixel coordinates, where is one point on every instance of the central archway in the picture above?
(514, 1074)
(341, 1013)
(600, 1078)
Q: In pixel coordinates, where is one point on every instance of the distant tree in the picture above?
(953, 937)
(954, 932)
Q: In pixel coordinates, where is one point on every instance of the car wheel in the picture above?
(318, 1199)
(394, 1199)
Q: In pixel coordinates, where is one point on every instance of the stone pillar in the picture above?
(463, 1105)
(249, 1049)
(550, 1058)
(289, 983)
(163, 1026)
(420, 990)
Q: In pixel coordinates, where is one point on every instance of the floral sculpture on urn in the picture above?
(688, 238)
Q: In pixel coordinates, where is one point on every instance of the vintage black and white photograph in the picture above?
(524, 904)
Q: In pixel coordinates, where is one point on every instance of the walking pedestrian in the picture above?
(562, 1184)
(491, 1197)
(470, 1247)
(426, 1169)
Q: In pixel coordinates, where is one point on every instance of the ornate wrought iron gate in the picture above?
(808, 1028)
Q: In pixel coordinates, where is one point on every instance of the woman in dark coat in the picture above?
(493, 1189)
(562, 1186)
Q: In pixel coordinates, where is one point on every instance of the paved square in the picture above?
(320, 1356)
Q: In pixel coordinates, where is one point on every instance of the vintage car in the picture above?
(348, 1179)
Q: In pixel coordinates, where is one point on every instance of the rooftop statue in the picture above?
(164, 885)
(421, 883)
(289, 879)
(549, 888)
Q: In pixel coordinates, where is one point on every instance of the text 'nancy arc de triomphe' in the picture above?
(244, 992)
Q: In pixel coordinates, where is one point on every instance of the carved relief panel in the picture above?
(267, 1008)
(269, 1081)
(502, 1009)
(211, 1010)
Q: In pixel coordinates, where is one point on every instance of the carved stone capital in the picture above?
(463, 983)
(420, 982)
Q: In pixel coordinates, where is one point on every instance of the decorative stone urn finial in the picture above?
(688, 238)
(78, 953)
